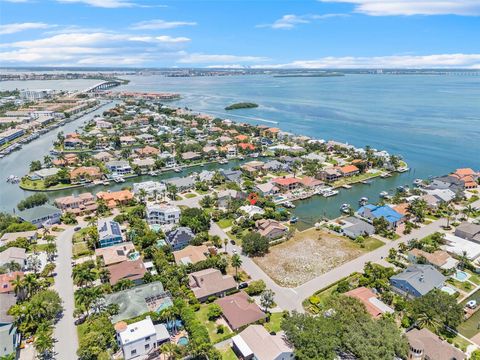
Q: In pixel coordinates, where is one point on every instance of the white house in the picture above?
(161, 214)
(150, 187)
(251, 210)
(140, 338)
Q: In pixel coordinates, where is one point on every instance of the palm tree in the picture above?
(168, 349)
(142, 194)
(428, 321)
(469, 210)
(51, 250)
(44, 340)
(83, 276)
(19, 287)
(225, 242)
(47, 160)
(13, 266)
(463, 260)
(236, 262)
(30, 284)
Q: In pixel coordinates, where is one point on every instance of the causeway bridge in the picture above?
(104, 85)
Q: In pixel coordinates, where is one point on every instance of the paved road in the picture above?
(291, 298)
(65, 332)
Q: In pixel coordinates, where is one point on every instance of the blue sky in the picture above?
(231, 33)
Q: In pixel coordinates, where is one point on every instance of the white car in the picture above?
(472, 304)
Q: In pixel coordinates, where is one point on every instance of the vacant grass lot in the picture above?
(307, 255)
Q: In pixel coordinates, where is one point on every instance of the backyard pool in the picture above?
(461, 276)
(183, 341)
(448, 290)
(133, 256)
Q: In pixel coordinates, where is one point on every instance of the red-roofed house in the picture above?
(6, 286)
(349, 170)
(246, 146)
(287, 183)
(468, 177)
(241, 137)
(374, 306)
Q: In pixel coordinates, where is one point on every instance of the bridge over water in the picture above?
(104, 85)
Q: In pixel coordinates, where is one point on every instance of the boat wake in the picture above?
(241, 116)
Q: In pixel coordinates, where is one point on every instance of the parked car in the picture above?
(243, 285)
(76, 228)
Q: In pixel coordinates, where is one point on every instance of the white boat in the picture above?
(289, 204)
(329, 193)
(153, 173)
(417, 181)
(363, 201)
(177, 170)
(241, 157)
(345, 208)
(383, 194)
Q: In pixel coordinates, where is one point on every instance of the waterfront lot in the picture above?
(307, 255)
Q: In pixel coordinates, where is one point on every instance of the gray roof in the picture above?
(107, 229)
(423, 278)
(468, 228)
(232, 175)
(180, 234)
(180, 182)
(357, 226)
(38, 212)
(6, 302)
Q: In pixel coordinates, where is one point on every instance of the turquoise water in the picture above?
(461, 275)
(183, 341)
(433, 121)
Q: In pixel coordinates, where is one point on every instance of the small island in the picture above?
(241, 105)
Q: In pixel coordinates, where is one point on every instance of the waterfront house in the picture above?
(251, 210)
(144, 164)
(468, 177)
(239, 310)
(9, 337)
(349, 170)
(139, 338)
(442, 195)
(191, 155)
(371, 212)
(119, 167)
(115, 254)
(72, 143)
(231, 151)
(150, 187)
(77, 204)
(439, 258)
(310, 183)
(86, 173)
(330, 174)
(127, 270)
(469, 231)
(180, 237)
(14, 254)
(447, 182)
(182, 183)
(11, 134)
(271, 229)
(354, 227)
(43, 173)
(161, 214)
(246, 147)
(255, 342)
(109, 233)
(210, 282)
(374, 306)
(232, 175)
(417, 280)
(41, 215)
(191, 255)
(206, 176)
(115, 198)
(139, 300)
(267, 189)
(69, 159)
(287, 183)
(425, 345)
(275, 165)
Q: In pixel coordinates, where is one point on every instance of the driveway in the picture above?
(65, 331)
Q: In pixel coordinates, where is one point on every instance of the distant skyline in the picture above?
(235, 34)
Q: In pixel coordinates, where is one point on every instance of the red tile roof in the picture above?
(6, 281)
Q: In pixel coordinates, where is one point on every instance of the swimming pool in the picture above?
(133, 256)
(461, 276)
(183, 341)
(448, 290)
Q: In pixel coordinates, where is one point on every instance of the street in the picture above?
(65, 332)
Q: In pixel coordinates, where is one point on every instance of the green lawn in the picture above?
(274, 323)
(475, 278)
(203, 192)
(211, 326)
(28, 184)
(355, 178)
(464, 286)
(225, 223)
(228, 354)
(81, 249)
(190, 195)
(80, 235)
(371, 244)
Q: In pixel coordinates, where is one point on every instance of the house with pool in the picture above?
(417, 280)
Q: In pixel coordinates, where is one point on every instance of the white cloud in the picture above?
(105, 48)
(445, 61)
(414, 7)
(197, 58)
(159, 24)
(109, 4)
(17, 27)
(290, 21)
